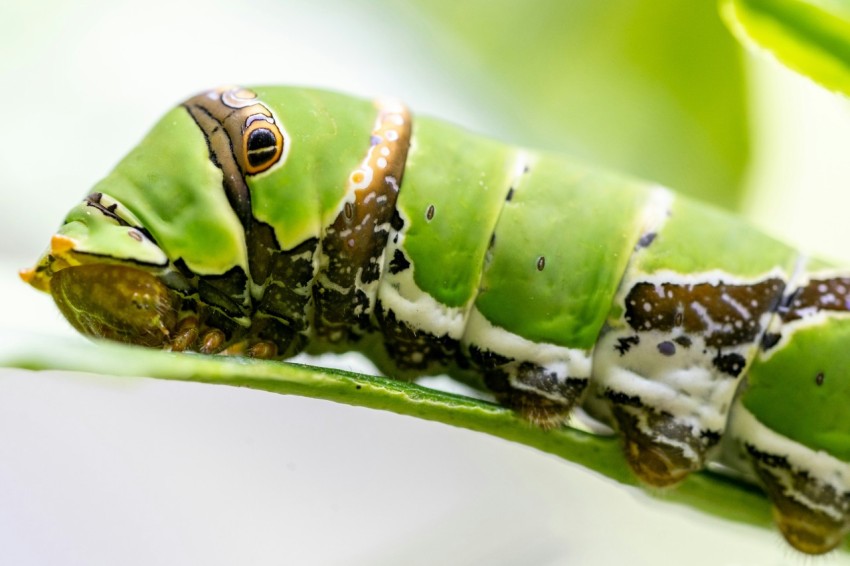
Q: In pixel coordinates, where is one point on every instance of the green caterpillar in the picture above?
(271, 220)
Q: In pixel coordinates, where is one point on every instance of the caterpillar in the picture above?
(267, 221)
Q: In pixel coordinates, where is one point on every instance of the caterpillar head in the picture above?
(199, 210)
(123, 260)
(101, 270)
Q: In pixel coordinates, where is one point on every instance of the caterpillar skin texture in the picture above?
(270, 220)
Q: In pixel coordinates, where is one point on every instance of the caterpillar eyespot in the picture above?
(280, 219)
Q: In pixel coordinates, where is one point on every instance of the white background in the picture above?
(104, 470)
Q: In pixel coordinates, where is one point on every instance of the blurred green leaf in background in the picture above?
(654, 88)
(811, 37)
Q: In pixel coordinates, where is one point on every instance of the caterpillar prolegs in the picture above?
(271, 220)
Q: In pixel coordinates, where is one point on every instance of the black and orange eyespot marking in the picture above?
(250, 139)
(262, 144)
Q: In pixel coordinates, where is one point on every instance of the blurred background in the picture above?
(97, 470)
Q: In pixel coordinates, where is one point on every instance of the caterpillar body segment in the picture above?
(791, 420)
(270, 220)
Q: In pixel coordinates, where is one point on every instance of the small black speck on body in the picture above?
(646, 240)
(620, 398)
(769, 340)
(730, 364)
(399, 262)
(625, 344)
(666, 348)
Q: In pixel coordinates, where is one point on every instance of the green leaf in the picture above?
(711, 493)
(811, 37)
(655, 88)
